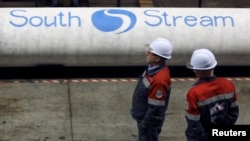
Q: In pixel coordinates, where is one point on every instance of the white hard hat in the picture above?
(202, 59)
(161, 47)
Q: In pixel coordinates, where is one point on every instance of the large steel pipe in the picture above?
(116, 36)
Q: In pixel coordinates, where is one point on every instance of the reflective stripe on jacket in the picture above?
(150, 98)
(211, 101)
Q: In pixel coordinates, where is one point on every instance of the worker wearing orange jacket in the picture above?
(151, 95)
(212, 101)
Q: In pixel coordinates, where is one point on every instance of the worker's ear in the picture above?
(157, 58)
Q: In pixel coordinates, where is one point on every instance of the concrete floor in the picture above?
(89, 109)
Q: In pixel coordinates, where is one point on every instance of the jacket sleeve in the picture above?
(194, 131)
(231, 115)
(157, 104)
(233, 111)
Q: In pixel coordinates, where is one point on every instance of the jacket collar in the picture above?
(206, 79)
(153, 70)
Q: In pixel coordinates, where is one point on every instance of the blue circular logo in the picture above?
(114, 20)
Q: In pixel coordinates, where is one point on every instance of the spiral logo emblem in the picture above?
(114, 20)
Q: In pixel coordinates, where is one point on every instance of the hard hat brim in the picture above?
(190, 66)
(166, 57)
